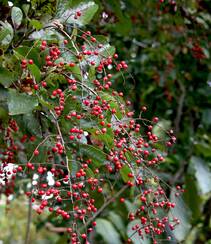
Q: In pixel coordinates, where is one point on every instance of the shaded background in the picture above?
(167, 48)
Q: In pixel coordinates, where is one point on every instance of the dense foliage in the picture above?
(96, 166)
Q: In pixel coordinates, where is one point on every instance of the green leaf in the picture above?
(183, 214)
(72, 164)
(203, 149)
(4, 33)
(133, 235)
(92, 72)
(107, 138)
(124, 171)
(90, 173)
(36, 24)
(96, 154)
(3, 95)
(131, 207)
(29, 53)
(72, 104)
(3, 104)
(20, 103)
(31, 123)
(193, 234)
(206, 117)
(202, 173)
(46, 34)
(8, 33)
(25, 8)
(114, 103)
(6, 77)
(160, 128)
(104, 52)
(34, 71)
(192, 198)
(86, 8)
(3, 114)
(53, 79)
(16, 16)
(124, 26)
(45, 103)
(43, 155)
(107, 231)
(117, 221)
(61, 5)
(76, 71)
(100, 39)
(68, 57)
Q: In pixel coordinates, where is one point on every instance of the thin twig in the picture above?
(52, 228)
(105, 205)
(180, 107)
(29, 219)
(65, 152)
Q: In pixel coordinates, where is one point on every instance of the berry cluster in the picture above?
(198, 52)
(92, 138)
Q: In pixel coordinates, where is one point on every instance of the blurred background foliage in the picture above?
(167, 47)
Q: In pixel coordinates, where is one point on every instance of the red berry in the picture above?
(78, 13)
(44, 84)
(155, 119)
(58, 184)
(122, 200)
(36, 152)
(31, 61)
(83, 236)
(24, 62)
(44, 43)
(94, 223)
(71, 64)
(72, 137)
(36, 87)
(19, 168)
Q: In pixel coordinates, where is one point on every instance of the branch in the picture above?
(105, 205)
(52, 228)
(179, 173)
(29, 219)
(180, 107)
(40, 144)
(65, 152)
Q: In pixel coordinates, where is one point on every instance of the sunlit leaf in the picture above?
(124, 171)
(17, 16)
(35, 71)
(202, 173)
(182, 212)
(20, 103)
(86, 8)
(6, 33)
